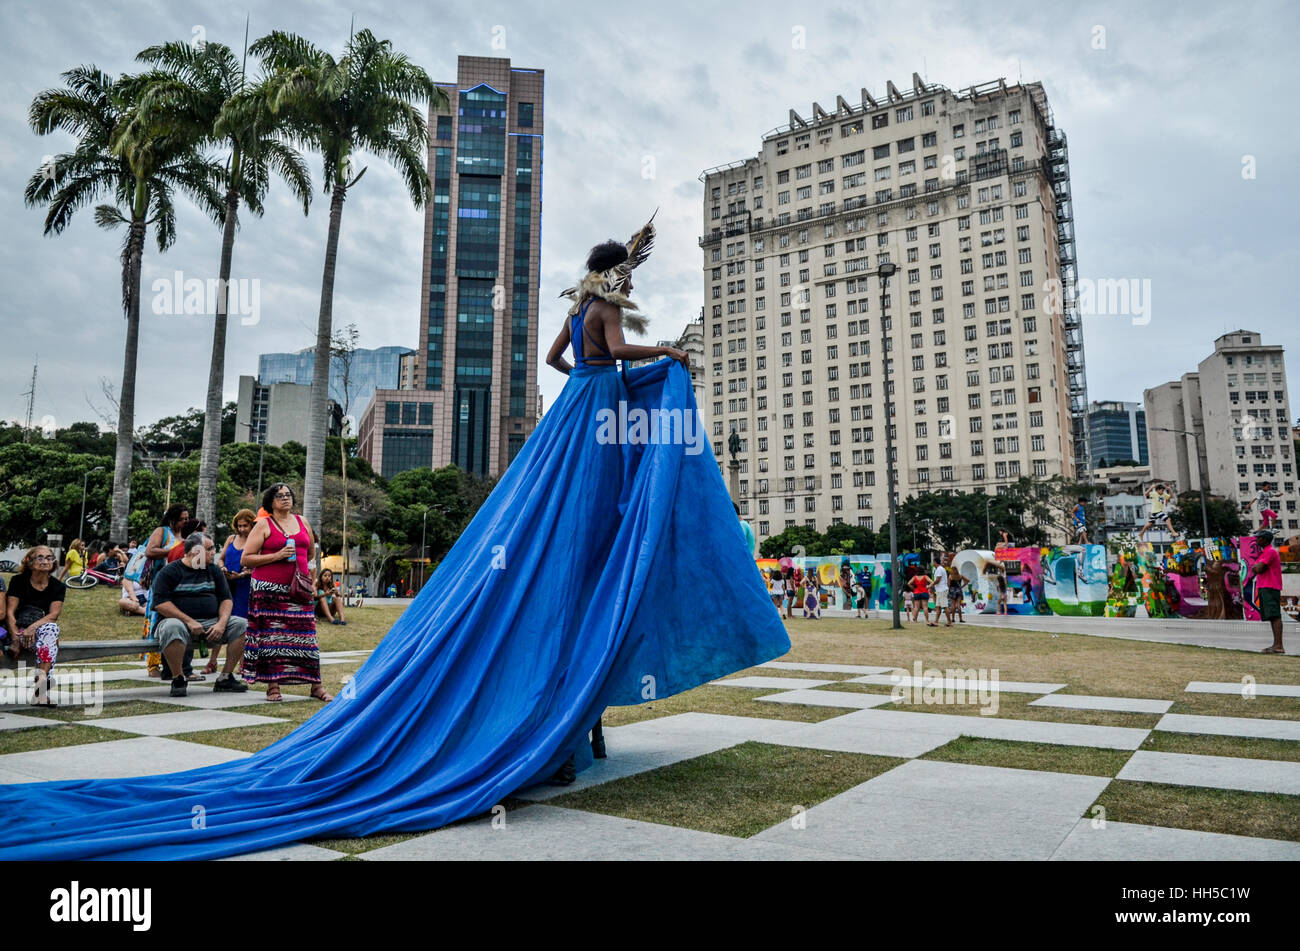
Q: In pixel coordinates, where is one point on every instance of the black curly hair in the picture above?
(606, 255)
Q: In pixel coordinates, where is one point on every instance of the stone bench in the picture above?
(86, 650)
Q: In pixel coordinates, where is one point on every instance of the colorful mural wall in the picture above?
(1193, 579)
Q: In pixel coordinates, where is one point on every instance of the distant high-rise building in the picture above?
(378, 368)
(968, 194)
(1117, 432)
(277, 413)
(476, 364)
(1228, 425)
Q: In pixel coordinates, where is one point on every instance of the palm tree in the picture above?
(203, 89)
(364, 101)
(140, 167)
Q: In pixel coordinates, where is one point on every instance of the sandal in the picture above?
(273, 694)
(49, 691)
(1272, 650)
(211, 667)
(194, 678)
(318, 693)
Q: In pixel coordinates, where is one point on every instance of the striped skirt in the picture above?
(281, 643)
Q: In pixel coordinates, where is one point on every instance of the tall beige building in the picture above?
(1228, 425)
(967, 193)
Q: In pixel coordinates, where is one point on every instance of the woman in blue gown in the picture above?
(572, 595)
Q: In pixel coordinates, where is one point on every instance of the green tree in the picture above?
(793, 539)
(1223, 515)
(367, 100)
(202, 89)
(140, 166)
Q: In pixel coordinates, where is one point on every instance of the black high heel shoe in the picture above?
(566, 775)
(598, 741)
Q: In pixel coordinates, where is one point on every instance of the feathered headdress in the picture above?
(609, 285)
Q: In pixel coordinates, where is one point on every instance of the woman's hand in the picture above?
(681, 356)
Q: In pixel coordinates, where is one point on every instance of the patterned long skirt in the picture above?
(281, 643)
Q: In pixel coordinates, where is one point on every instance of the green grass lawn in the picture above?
(738, 791)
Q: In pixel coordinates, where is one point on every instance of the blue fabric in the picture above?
(575, 589)
(239, 590)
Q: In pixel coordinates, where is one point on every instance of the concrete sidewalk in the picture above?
(1228, 635)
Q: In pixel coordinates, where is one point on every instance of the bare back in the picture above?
(592, 329)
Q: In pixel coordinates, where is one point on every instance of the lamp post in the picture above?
(885, 271)
(81, 526)
(424, 525)
(1200, 474)
(988, 525)
(261, 454)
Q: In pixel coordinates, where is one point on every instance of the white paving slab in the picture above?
(1130, 842)
(722, 726)
(1071, 701)
(649, 744)
(548, 833)
(113, 759)
(848, 735)
(828, 698)
(771, 683)
(298, 852)
(826, 668)
(1237, 687)
(187, 721)
(952, 683)
(211, 700)
(1256, 727)
(16, 721)
(1217, 772)
(943, 811)
(997, 728)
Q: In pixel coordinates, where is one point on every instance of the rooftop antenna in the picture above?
(31, 405)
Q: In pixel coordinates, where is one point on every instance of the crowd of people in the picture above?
(256, 596)
(940, 588)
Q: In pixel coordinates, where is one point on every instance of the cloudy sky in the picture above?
(1163, 111)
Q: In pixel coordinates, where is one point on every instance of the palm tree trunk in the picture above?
(314, 478)
(120, 524)
(211, 455)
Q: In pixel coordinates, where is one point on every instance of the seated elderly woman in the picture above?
(193, 600)
(33, 604)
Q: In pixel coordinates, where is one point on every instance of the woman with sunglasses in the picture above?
(33, 604)
(281, 646)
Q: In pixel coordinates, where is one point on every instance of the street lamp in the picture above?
(261, 454)
(1200, 475)
(988, 525)
(424, 524)
(81, 526)
(885, 270)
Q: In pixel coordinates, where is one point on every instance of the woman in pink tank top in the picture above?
(281, 646)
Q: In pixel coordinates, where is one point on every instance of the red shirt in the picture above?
(1269, 563)
(921, 584)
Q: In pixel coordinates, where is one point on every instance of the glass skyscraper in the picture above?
(377, 369)
(1117, 433)
(477, 353)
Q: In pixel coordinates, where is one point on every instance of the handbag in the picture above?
(301, 590)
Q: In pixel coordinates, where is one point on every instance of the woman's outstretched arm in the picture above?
(611, 318)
